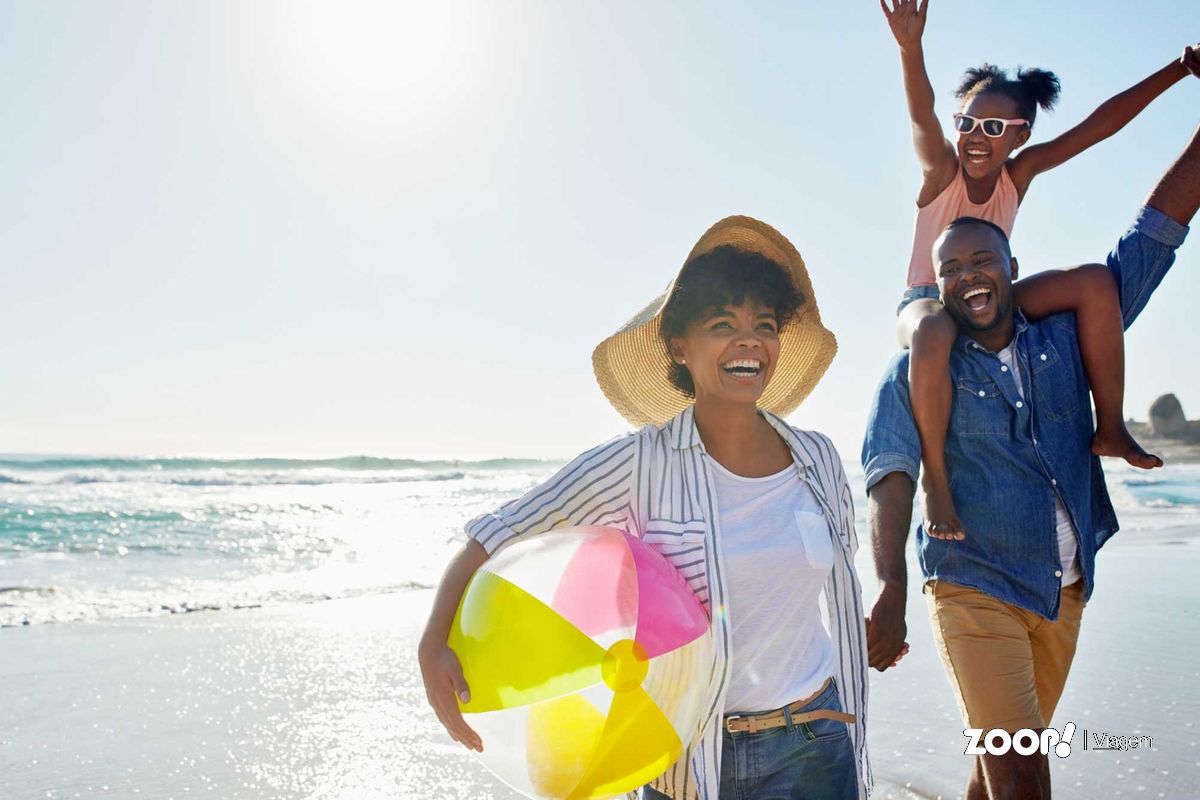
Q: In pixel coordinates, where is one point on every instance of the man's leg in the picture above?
(1178, 191)
(1013, 776)
(976, 783)
(985, 648)
(1054, 649)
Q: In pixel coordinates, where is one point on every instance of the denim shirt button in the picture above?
(1043, 356)
(1004, 368)
(982, 393)
(1053, 482)
(1020, 404)
(1058, 573)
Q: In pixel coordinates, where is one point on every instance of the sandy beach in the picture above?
(299, 290)
(324, 700)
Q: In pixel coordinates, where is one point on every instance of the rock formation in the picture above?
(1167, 419)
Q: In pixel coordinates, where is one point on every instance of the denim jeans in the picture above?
(808, 761)
(914, 293)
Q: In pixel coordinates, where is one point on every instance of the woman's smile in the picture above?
(744, 368)
(731, 353)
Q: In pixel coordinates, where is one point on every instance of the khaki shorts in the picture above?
(1007, 665)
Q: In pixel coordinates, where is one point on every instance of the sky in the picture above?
(399, 229)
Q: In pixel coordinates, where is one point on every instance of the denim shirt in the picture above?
(1008, 456)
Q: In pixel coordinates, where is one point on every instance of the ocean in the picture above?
(87, 538)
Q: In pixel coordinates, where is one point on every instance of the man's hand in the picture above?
(443, 676)
(886, 629)
(907, 20)
(1191, 59)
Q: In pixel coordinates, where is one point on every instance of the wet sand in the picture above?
(325, 701)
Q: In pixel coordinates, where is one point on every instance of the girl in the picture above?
(980, 176)
(754, 514)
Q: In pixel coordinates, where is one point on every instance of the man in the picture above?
(1006, 600)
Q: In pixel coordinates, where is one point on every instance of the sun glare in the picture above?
(383, 61)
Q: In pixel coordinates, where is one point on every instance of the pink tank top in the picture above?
(952, 203)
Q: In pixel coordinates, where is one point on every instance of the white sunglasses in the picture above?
(993, 127)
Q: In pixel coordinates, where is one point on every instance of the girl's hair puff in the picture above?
(1031, 89)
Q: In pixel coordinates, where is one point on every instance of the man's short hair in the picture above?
(959, 222)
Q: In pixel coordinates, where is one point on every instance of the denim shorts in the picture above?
(809, 761)
(926, 292)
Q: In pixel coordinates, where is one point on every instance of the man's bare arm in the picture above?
(1178, 192)
(889, 514)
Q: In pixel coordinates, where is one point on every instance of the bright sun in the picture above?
(380, 61)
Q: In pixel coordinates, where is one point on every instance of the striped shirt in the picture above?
(655, 484)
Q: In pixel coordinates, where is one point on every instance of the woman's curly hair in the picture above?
(724, 276)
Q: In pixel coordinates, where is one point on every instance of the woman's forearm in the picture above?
(450, 591)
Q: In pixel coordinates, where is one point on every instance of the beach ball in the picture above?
(587, 656)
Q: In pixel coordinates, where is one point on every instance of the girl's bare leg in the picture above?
(928, 332)
(1091, 293)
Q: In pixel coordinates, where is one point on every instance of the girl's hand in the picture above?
(1191, 59)
(907, 20)
(443, 676)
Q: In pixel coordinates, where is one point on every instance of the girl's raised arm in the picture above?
(938, 160)
(1112, 115)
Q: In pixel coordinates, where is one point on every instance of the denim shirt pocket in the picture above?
(1056, 397)
(979, 409)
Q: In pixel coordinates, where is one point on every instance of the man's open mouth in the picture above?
(977, 299)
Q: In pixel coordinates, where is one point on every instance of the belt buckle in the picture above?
(729, 720)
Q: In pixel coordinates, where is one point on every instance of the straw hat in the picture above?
(631, 365)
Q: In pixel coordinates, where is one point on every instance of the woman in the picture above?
(755, 515)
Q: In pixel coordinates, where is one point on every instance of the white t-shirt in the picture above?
(778, 554)
(1068, 547)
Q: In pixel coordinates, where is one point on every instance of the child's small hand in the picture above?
(907, 20)
(1190, 59)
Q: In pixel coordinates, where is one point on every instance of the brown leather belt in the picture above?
(753, 723)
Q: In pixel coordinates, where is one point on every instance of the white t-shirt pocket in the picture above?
(818, 545)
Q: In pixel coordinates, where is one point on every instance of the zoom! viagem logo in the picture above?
(1026, 741)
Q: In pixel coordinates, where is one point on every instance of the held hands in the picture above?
(1190, 60)
(907, 20)
(443, 676)
(886, 629)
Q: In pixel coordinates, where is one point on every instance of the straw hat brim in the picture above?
(632, 365)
